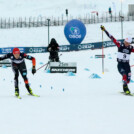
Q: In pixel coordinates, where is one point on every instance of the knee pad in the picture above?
(24, 73)
(26, 81)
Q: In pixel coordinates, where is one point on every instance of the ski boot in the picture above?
(126, 89)
(30, 91)
(17, 93)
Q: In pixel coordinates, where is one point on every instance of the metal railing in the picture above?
(42, 21)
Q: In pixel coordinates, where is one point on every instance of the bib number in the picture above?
(124, 56)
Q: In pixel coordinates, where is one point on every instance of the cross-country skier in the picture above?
(53, 48)
(123, 57)
(18, 65)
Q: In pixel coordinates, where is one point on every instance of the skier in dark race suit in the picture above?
(123, 57)
(18, 65)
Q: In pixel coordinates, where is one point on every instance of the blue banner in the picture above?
(63, 48)
(10, 49)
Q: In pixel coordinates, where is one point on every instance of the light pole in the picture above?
(121, 16)
(48, 29)
(67, 14)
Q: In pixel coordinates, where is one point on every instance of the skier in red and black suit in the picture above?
(123, 57)
(18, 65)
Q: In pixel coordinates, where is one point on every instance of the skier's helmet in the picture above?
(16, 51)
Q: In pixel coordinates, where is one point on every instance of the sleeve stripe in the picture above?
(34, 62)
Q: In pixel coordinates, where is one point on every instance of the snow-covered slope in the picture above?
(68, 104)
(17, 8)
(39, 36)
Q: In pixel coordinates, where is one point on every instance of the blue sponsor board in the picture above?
(10, 49)
(24, 50)
(36, 49)
(86, 46)
(63, 48)
(97, 45)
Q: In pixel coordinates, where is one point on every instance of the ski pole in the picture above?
(132, 66)
(60, 55)
(45, 64)
(49, 63)
(42, 66)
(102, 55)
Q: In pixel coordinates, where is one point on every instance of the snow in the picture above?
(84, 106)
(39, 36)
(67, 104)
(57, 8)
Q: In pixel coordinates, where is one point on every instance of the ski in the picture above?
(33, 95)
(127, 94)
(18, 97)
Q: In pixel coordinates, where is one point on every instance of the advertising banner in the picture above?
(63, 48)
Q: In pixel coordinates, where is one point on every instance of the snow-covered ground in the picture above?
(68, 104)
(19, 8)
(39, 36)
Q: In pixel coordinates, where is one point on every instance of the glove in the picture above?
(102, 28)
(33, 70)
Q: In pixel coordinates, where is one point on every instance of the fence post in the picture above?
(5, 24)
(111, 17)
(29, 21)
(9, 23)
(133, 17)
(37, 21)
(20, 22)
(25, 21)
(13, 22)
(17, 23)
(58, 21)
(62, 19)
(33, 21)
(128, 17)
(1, 23)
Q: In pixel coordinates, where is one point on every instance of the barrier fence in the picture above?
(63, 48)
(43, 21)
